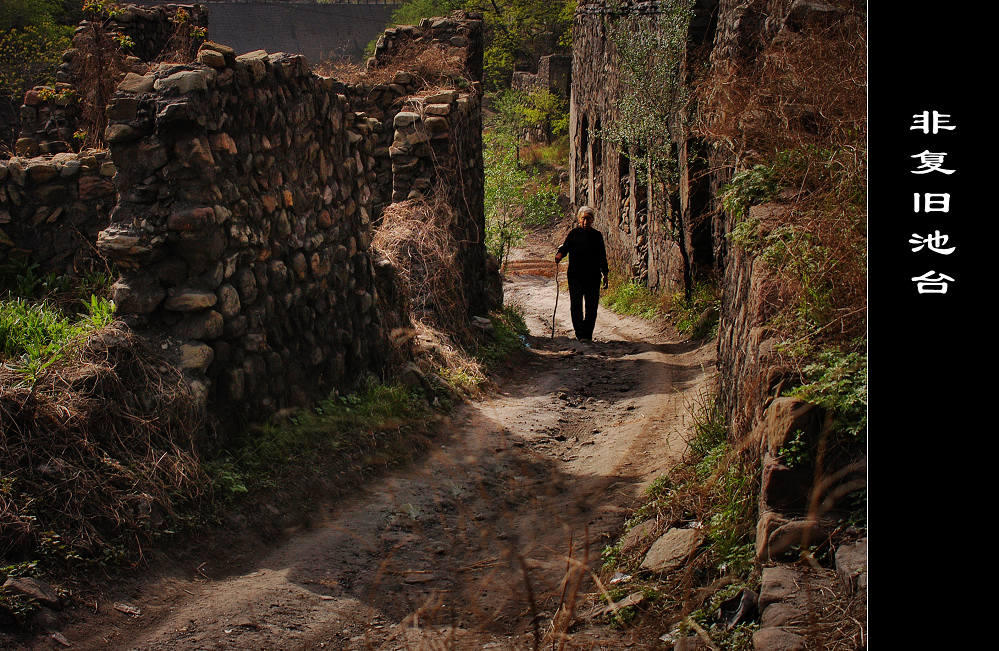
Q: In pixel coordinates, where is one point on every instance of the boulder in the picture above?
(33, 589)
(672, 550)
(851, 566)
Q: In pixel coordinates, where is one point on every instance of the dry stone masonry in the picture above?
(51, 115)
(243, 224)
(247, 188)
(52, 208)
(238, 202)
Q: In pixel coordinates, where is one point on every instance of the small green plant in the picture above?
(749, 187)
(697, 315)
(610, 556)
(33, 336)
(710, 426)
(350, 427)
(739, 638)
(61, 96)
(124, 41)
(508, 336)
(838, 382)
(631, 297)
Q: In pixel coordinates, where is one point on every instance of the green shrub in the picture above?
(632, 297)
(542, 208)
(749, 187)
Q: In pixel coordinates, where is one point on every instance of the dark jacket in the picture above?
(587, 256)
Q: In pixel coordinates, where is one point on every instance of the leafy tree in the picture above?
(652, 96)
(32, 40)
(412, 12)
(516, 110)
(520, 31)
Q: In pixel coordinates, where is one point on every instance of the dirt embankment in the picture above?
(471, 546)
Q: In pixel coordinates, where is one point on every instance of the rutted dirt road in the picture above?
(469, 546)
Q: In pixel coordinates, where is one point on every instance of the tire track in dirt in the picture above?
(440, 555)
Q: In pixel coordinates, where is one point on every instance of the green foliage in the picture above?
(632, 297)
(33, 336)
(519, 32)
(412, 12)
(710, 426)
(749, 187)
(653, 92)
(38, 325)
(540, 109)
(505, 181)
(732, 527)
(740, 638)
(687, 312)
(31, 45)
(516, 31)
(514, 197)
(542, 208)
(546, 111)
(508, 336)
(838, 383)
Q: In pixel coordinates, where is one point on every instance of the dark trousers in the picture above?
(580, 291)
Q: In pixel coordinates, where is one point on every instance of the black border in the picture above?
(931, 356)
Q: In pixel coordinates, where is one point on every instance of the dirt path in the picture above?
(436, 556)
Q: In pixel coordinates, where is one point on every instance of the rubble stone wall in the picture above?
(52, 208)
(554, 74)
(51, 115)
(248, 190)
(243, 224)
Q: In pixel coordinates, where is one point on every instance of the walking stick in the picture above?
(556, 300)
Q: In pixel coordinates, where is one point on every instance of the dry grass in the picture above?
(97, 453)
(415, 235)
(808, 87)
(430, 64)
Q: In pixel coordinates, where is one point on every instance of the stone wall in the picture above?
(554, 74)
(750, 298)
(248, 190)
(243, 224)
(51, 115)
(52, 208)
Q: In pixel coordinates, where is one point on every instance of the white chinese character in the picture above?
(923, 122)
(931, 202)
(930, 162)
(934, 243)
(932, 282)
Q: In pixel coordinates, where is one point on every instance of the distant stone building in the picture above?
(554, 73)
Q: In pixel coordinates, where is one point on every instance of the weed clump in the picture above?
(97, 451)
(695, 316)
(715, 490)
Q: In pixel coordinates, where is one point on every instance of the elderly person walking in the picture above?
(587, 262)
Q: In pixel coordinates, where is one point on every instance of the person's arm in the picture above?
(603, 260)
(564, 249)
